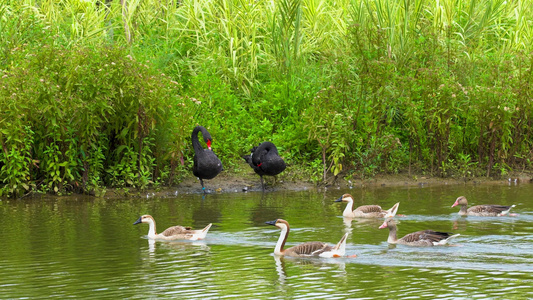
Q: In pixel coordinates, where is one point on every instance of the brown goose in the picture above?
(306, 249)
(174, 232)
(482, 210)
(365, 211)
(419, 238)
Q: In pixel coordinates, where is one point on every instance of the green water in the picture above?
(89, 248)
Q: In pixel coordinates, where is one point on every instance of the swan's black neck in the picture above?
(194, 137)
(267, 147)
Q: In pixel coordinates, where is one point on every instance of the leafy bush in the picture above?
(96, 118)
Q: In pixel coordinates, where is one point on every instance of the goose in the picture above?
(482, 210)
(365, 211)
(419, 238)
(206, 164)
(309, 249)
(174, 232)
(265, 160)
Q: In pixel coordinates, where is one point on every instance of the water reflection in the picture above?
(177, 245)
(264, 211)
(280, 268)
(309, 264)
(87, 248)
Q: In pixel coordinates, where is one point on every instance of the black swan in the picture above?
(265, 160)
(206, 163)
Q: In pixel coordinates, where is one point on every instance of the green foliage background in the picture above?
(105, 93)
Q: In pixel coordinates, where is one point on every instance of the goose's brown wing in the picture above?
(413, 237)
(308, 249)
(176, 230)
(369, 209)
(488, 209)
(434, 236)
(426, 235)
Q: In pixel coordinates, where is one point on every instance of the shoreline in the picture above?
(243, 179)
(240, 183)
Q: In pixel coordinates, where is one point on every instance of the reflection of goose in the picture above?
(280, 268)
(174, 232)
(206, 164)
(419, 238)
(151, 246)
(482, 210)
(365, 211)
(306, 249)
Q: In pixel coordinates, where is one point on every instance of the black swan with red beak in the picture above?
(206, 163)
(265, 160)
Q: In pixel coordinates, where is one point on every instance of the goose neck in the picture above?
(348, 210)
(281, 241)
(151, 230)
(393, 238)
(463, 211)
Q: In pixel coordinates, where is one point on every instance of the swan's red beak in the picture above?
(209, 144)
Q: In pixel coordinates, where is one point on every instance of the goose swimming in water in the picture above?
(365, 211)
(265, 160)
(309, 249)
(419, 238)
(482, 210)
(174, 232)
(206, 164)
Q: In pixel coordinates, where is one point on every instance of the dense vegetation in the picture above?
(105, 93)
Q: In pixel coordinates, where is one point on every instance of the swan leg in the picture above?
(262, 184)
(203, 188)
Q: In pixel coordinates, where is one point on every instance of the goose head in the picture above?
(345, 198)
(460, 201)
(280, 223)
(389, 222)
(144, 219)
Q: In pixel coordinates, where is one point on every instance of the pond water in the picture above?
(81, 247)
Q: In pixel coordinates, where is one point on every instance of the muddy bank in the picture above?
(228, 182)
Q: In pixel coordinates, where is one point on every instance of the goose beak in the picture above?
(271, 222)
(384, 225)
(339, 199)
(138, 221)
(456, 203)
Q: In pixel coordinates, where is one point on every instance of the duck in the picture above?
(308, 249)
(174, 232)
(206, 164)
(265, 160)
(419, 238)
(485, 210)
(365, 211)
